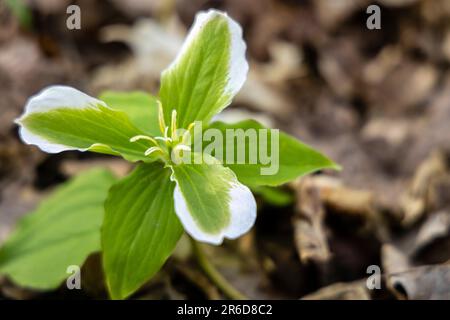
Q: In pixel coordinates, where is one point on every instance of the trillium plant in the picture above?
(184, 180)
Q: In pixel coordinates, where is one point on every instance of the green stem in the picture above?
(214, 275)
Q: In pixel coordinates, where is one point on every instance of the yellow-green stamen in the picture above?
(162, 123)
(170, 143)
(151, 150)
(142, 137)
(173, 125)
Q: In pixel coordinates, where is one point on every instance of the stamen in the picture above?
(190, 126)
(166, 132)
(162, 123)
(165, 139)
(142, 137)
(187, 134)
(152, 149)
(173, 124)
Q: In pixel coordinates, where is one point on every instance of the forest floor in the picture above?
(376, 101)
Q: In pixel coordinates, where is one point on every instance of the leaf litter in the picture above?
(376, 102)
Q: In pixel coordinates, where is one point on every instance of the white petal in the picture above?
(243, 215)
(238, 68)
(243, 211)
(53, 97)
(238, 64)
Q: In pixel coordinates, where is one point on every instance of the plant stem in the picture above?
(214, 275)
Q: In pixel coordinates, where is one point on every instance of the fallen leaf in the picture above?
(422, 283)
(341, 291)
(309, 230)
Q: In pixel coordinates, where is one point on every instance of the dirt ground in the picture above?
(375, 101)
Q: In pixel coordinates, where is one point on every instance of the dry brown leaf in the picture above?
(341, 291)
(421, 283)
(339, 63)
(309, 231)
(416, 200)
(403, 87)
(362, 204)
(436, 226)
(385, 62)
(350, 201)
(394, 260)
(332, 13)
(419, 240)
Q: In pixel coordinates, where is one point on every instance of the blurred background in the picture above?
(376, 101)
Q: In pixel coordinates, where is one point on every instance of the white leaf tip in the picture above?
(242, 208)
(49, 98)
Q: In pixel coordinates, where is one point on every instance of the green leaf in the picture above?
(62, 231)
(210, 202)
(62, 118)
(141, 108)
(208, 72)
(274, 195)
(21, 11)
(140, 229)
(294, 157)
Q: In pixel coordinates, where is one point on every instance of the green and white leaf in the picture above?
(208, 72)
(140, 107)
(295, 158)
(140, 228)
(210, 202)
(61, 232)
(62, 118)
